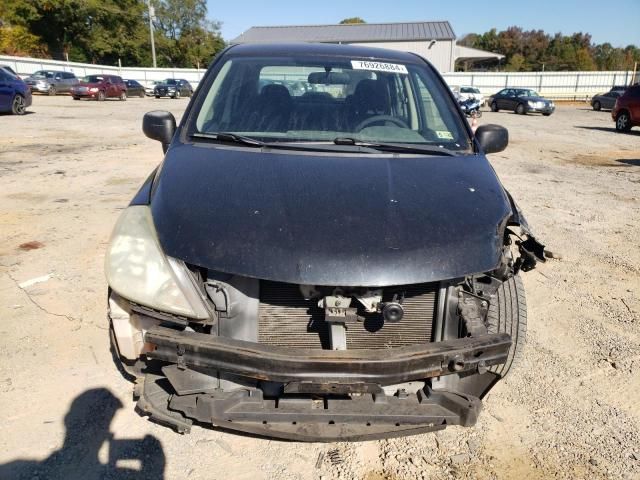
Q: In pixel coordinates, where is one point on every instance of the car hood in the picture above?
(329, 219)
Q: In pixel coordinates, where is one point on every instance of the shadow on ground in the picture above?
(610, 129)
(87, 429)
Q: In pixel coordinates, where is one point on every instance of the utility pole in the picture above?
(152, 15)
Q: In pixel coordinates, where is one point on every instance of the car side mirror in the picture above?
(159, 125)
(492, 138)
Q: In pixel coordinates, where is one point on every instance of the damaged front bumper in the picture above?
(312, 395)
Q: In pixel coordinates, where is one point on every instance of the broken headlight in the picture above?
(138, 270)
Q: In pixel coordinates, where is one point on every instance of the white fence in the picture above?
(556, 85)
(25, 66)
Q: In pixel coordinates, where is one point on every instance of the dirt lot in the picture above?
(571, 411)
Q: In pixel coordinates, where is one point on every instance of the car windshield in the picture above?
(469, 90)
(43, 74)
(171, 81)
(93, 78)
(321, 99)
(528, 93)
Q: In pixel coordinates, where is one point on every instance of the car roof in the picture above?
(320, 49)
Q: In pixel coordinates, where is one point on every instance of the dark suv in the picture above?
(173, 87)
(100, 87)
(626, 112)
(336, 260)
(51, 82)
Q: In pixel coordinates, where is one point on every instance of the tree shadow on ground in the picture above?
(87, 429)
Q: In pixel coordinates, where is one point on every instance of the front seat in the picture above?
(368, 99)
(272, 110)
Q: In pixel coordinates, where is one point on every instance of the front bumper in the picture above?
(548, 109)
(311, 395)
(39, 88)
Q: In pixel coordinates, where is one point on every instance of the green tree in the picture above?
(352, 20)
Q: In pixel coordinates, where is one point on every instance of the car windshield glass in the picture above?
(44, 74)
(93, 78)
(528, 93)
(170, 81)
(319, 99)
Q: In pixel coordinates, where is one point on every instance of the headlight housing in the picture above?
(137, 268)
(94, 89)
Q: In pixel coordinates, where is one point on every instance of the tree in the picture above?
(352, 20)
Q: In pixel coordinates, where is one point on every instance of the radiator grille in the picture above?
(287, 319)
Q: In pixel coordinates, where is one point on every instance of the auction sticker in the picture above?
(443, 134)
(378, 66)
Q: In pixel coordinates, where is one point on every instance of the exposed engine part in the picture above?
(129, 327)
(392, 312)
(370, 300)
(473, 312)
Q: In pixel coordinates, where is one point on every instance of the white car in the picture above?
(148, 90)
(470, 92)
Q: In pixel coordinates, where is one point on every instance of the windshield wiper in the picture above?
(395, 147)
(230, 137)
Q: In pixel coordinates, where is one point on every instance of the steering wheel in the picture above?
(380, 118)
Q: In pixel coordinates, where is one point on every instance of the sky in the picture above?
(616, 22)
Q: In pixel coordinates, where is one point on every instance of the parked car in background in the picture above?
(174, 88)
(100, 87)
(134, 89)
(467, 92)
(9, 69)
(15, 94)
(334, 265)
(521, 101)
(148, 90)
(606, 100)
(626, 111)
(51, 82)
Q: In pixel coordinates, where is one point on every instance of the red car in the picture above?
(100, 87)
(626, 112)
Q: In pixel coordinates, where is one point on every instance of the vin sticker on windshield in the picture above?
(444, 134)
(378, 66)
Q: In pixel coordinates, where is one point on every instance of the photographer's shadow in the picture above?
(87, 429)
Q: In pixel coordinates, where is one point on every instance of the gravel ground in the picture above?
(570, 411)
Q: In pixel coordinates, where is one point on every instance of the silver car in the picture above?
(51, 82)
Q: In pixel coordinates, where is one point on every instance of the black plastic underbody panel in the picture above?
(281, 364)
(305, 418)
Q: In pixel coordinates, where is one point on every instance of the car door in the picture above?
(503, 98)
(6, 91)
(634, 104)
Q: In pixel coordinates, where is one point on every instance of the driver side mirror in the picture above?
(492, 138)
(159, 125)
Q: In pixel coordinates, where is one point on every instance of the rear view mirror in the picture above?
(159, 125)
(328, 78)
(492, 138)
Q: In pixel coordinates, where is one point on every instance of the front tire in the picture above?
(520, 109)
(141, 94)
(494, 107)
(18, 105)
(623, 122)
(101, 96)
(597, 106)
(177, 95)
(508, 314)
(157, 96)
(123, 96)
(52, 91)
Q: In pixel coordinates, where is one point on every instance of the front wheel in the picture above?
(157, 96)
(546, 114)
(508, 314)
(597, 106)
(141, 94)
(52, 91)
(18, 106)
(520, 109)
(123, 96)
(623, 122)
(494, 107)
(101, 96)
(177, 94)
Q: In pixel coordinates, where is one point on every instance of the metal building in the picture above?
(435, 41)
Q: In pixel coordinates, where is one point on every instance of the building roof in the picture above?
(468, 53)
(359, 32)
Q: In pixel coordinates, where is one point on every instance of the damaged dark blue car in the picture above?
(325, 252)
